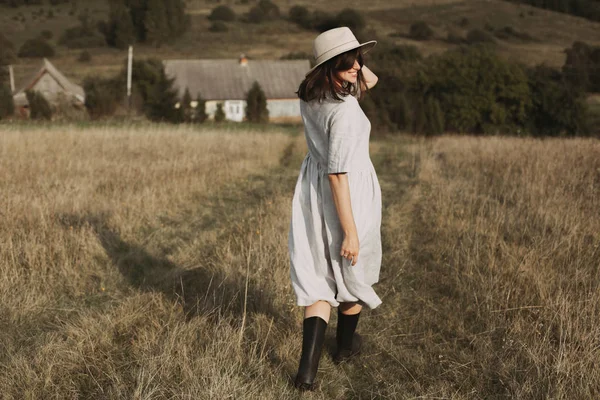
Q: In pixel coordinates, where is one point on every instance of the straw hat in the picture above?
(335, 42)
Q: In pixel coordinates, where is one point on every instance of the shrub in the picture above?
(46, 34)
(477, 36)
(39, 108)
(36, 48)
(300, 16)
(256, 105)
(464, 22)
(84, 57)
(455, 38)
(256, 15)
(219, 113)
(323, 21)
(218, 26)
(270, 9)
(351, 18)
(222, 13)
(265, 10)
(7, 106)
(101, 96)
(508, 32)
(420, 30)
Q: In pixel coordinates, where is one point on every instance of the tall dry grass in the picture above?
(151, 263)
(504, 277)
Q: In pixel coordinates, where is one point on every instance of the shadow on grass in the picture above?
(208, 288)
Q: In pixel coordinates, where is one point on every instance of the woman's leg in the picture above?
(350, 308)
(319, 309)
(314, 325)
(348, 343)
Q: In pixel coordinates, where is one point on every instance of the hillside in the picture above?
(551, 32)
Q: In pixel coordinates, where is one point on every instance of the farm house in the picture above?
(228, 81)
(53, 85)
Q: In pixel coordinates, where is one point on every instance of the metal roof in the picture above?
(47, 67)
(229, 79)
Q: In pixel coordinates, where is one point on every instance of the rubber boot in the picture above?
(349, 343)
(313, 336)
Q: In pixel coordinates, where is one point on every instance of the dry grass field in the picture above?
(150, 262)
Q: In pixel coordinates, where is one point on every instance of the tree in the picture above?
(557, 108)
(37, 47)
(256, 105)
(179, 21)
(582, 67)
(7, 56)
(218, 26)
(200, 112)
(7, 106)
(142, 20)
(155, 22)
(352, 19)
(157, 91)
(265, 10)
(219, 114)
(300, 16)
(120, 31)
(39, 107)
(420, 30)
(186, 106)
(222, 13)
(101, 96)
(477, 91)
(435, 117)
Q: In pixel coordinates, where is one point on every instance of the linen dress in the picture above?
(337, 134)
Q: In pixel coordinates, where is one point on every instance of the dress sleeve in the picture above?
(342, 138)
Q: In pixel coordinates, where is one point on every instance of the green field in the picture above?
(150, 262)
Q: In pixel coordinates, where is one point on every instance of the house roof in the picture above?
(47, 68)
(228, 79)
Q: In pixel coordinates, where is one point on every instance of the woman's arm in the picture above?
(370, 78)
(341, 197)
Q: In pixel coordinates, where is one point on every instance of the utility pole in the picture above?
(129, 67)
(12, 79)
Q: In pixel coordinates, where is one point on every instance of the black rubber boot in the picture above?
(349, 343)
(313, 336)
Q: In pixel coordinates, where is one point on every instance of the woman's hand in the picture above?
(350, 247)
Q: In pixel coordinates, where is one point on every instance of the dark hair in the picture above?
(321, 82)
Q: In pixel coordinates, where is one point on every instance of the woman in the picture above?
(334, 238)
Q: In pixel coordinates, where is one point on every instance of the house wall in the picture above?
(48, 87)
(235, 110)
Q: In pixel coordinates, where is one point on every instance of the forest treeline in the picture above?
(589, 9)
(472, 90)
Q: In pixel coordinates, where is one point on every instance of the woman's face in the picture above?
(350, 75)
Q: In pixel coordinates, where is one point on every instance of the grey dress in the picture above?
(337, 134)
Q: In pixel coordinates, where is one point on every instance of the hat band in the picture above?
(321, 56)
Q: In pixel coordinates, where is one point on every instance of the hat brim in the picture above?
(366, 47)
